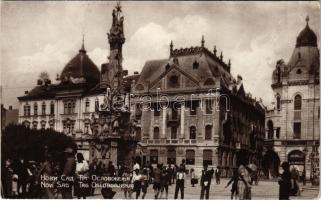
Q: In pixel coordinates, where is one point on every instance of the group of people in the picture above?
(21, 178)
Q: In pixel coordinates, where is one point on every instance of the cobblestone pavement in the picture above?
(265, 190)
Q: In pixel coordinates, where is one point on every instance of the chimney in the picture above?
(136, 72)
(26, 92)
(10, 107)
(39, 82)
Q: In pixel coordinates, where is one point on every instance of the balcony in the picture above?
(170, 142)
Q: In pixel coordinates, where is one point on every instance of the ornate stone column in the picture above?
(182, 121)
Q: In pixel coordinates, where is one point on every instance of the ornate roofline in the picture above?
(196, 50)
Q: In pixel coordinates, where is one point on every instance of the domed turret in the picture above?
(81, 67)
(306, 37)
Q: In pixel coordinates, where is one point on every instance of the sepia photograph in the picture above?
(160, 100)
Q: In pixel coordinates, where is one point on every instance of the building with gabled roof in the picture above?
(189, 107)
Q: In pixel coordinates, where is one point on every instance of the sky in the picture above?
(44, 36)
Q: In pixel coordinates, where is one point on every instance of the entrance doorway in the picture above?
(270, 164)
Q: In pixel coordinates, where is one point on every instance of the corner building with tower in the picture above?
(293, 124)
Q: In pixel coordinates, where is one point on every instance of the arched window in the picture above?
(192, 133)
(43, 108)
(87, 104)
(208, 132)
(270, 129)
(209, 81)
(35, 109)
(156, 133)
(297, 102)
(52, 108)
(278, 102)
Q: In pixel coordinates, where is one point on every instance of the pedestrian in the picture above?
(93, 170)
(193, 178)
(218, 176)
(145, 182)
(136, 181)
(206, 181)
(294, 178)
(175, 168)
(165, 178)
(68, 171)
(21, 169)
(243, 185)
(157, 180)
(46, 170)
(180, 179)
(107, 192)
(6, 179)
(81, 185)
(285, 182)
(234, 180)
(126, 175)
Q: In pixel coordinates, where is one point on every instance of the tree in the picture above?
(19, 141)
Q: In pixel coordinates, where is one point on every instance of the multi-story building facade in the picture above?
(293, 125)
(71, 105)
(189, 107)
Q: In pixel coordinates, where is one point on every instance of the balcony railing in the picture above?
(170, 141)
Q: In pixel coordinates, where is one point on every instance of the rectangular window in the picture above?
(190, 157)
(52, 109)
(209, 106)
(153, 156)
(87, 104)
(297, 130)
(193, 110)
(43, 109)
(174, 132)
(207, 157)
(156, 109)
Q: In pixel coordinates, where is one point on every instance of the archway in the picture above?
(296, 159)
(270, 164)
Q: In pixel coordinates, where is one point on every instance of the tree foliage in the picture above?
(19, 141)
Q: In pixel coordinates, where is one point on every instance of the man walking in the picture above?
(218, 176)
(206, 182)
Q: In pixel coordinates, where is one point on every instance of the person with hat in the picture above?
(68, 171)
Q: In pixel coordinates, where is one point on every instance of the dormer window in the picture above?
(195, 65)
(173, 81)
(299, 71)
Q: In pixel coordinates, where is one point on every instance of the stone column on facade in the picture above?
(151, 130)
(182, 120)
(164, 110)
